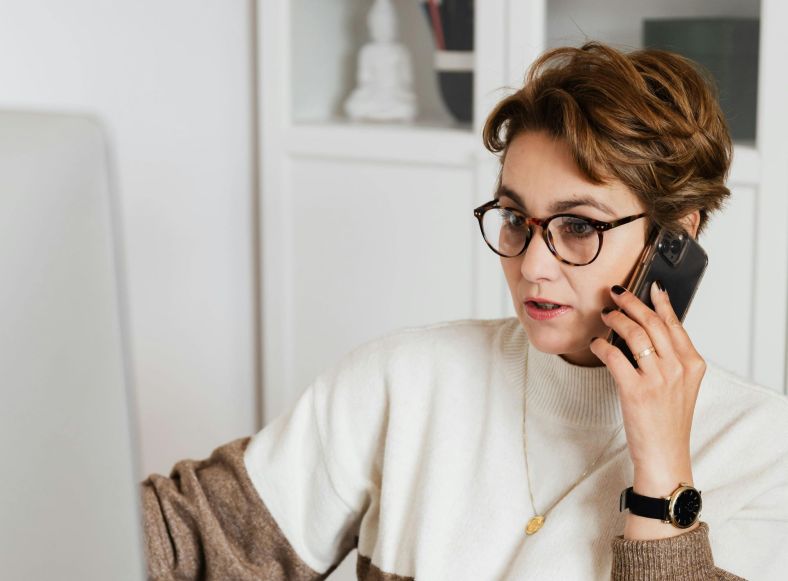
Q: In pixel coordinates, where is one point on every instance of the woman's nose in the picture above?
(537, 260)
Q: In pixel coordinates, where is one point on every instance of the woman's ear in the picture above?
(691, 222)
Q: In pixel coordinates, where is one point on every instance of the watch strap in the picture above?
(644, 505)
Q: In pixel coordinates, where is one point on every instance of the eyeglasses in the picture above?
(572, 239)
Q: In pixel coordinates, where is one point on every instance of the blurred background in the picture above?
(173, 83)
(267, 231)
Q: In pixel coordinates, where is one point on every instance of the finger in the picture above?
(636, 337)
(615, 360)
(664, 308)
(648, 319)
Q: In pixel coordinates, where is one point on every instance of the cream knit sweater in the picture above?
(410, 449)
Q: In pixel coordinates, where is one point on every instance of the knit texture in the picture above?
(686, 557)
(206, 522)
(410, 448)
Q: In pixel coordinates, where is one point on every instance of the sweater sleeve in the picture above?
(284, 504)
(749, 543)
(685, 557)
(318, 467)
(206, 521)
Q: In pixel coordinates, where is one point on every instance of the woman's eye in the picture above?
(578, 228)
(512, 219)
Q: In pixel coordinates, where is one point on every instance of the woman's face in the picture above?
(540, 171)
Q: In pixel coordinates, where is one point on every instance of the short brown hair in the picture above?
(649, 118)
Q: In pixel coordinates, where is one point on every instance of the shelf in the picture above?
(435, 145)
(411, 143)
(324, 43)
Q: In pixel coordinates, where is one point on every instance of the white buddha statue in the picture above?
(384, 78)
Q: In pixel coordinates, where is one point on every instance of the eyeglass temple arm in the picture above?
(626, 220)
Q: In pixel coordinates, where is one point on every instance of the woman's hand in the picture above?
(657, 399)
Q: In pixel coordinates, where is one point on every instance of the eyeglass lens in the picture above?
(575, 240)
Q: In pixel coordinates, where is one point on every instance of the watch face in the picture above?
(686, 507)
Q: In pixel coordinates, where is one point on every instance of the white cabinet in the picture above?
(365, 227)
(369, 227)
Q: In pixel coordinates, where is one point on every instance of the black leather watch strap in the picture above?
(644, 505)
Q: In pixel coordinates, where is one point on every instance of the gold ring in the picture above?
(645, 353)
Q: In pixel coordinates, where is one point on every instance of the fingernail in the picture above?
(618, 289)
(592, 340)
(659, 286)
(607, 310)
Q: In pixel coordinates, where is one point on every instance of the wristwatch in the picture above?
(681, 509)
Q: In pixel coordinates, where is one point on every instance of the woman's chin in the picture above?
(549, 341)
(556, 342)
(552, 347)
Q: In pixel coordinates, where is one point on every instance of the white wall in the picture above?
(173, 83)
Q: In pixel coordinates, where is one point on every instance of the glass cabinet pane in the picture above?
(327, 36)
(721, 35)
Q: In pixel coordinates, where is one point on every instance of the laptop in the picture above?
(69, 506)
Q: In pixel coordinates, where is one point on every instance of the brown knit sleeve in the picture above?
(206, 521)
(685, 557)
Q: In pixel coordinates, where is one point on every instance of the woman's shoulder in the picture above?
(727, 385)
(454, 327)
(426, 348)
(728, 399)
(452, 334)
(740, 450)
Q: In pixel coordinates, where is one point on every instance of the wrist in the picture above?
(661, 486)
(661, 481)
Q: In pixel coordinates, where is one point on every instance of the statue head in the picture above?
(382, 21)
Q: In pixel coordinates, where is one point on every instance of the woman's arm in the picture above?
(658, 402)
(207, 521)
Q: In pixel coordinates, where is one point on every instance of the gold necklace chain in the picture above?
(536, 522)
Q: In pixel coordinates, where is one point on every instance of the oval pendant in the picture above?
(534, 524)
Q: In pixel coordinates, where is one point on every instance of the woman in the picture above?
(501, 449)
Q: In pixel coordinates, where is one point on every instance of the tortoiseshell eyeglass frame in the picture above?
(600, 227)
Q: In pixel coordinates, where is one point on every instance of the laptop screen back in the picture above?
(69, 502)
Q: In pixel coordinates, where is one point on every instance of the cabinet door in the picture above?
(720, 320)
(372, 247)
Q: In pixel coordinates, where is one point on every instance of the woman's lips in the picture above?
(543, 314)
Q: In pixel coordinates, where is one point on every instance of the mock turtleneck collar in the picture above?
(584, 396)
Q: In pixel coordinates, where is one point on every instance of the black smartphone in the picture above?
(678, 262)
